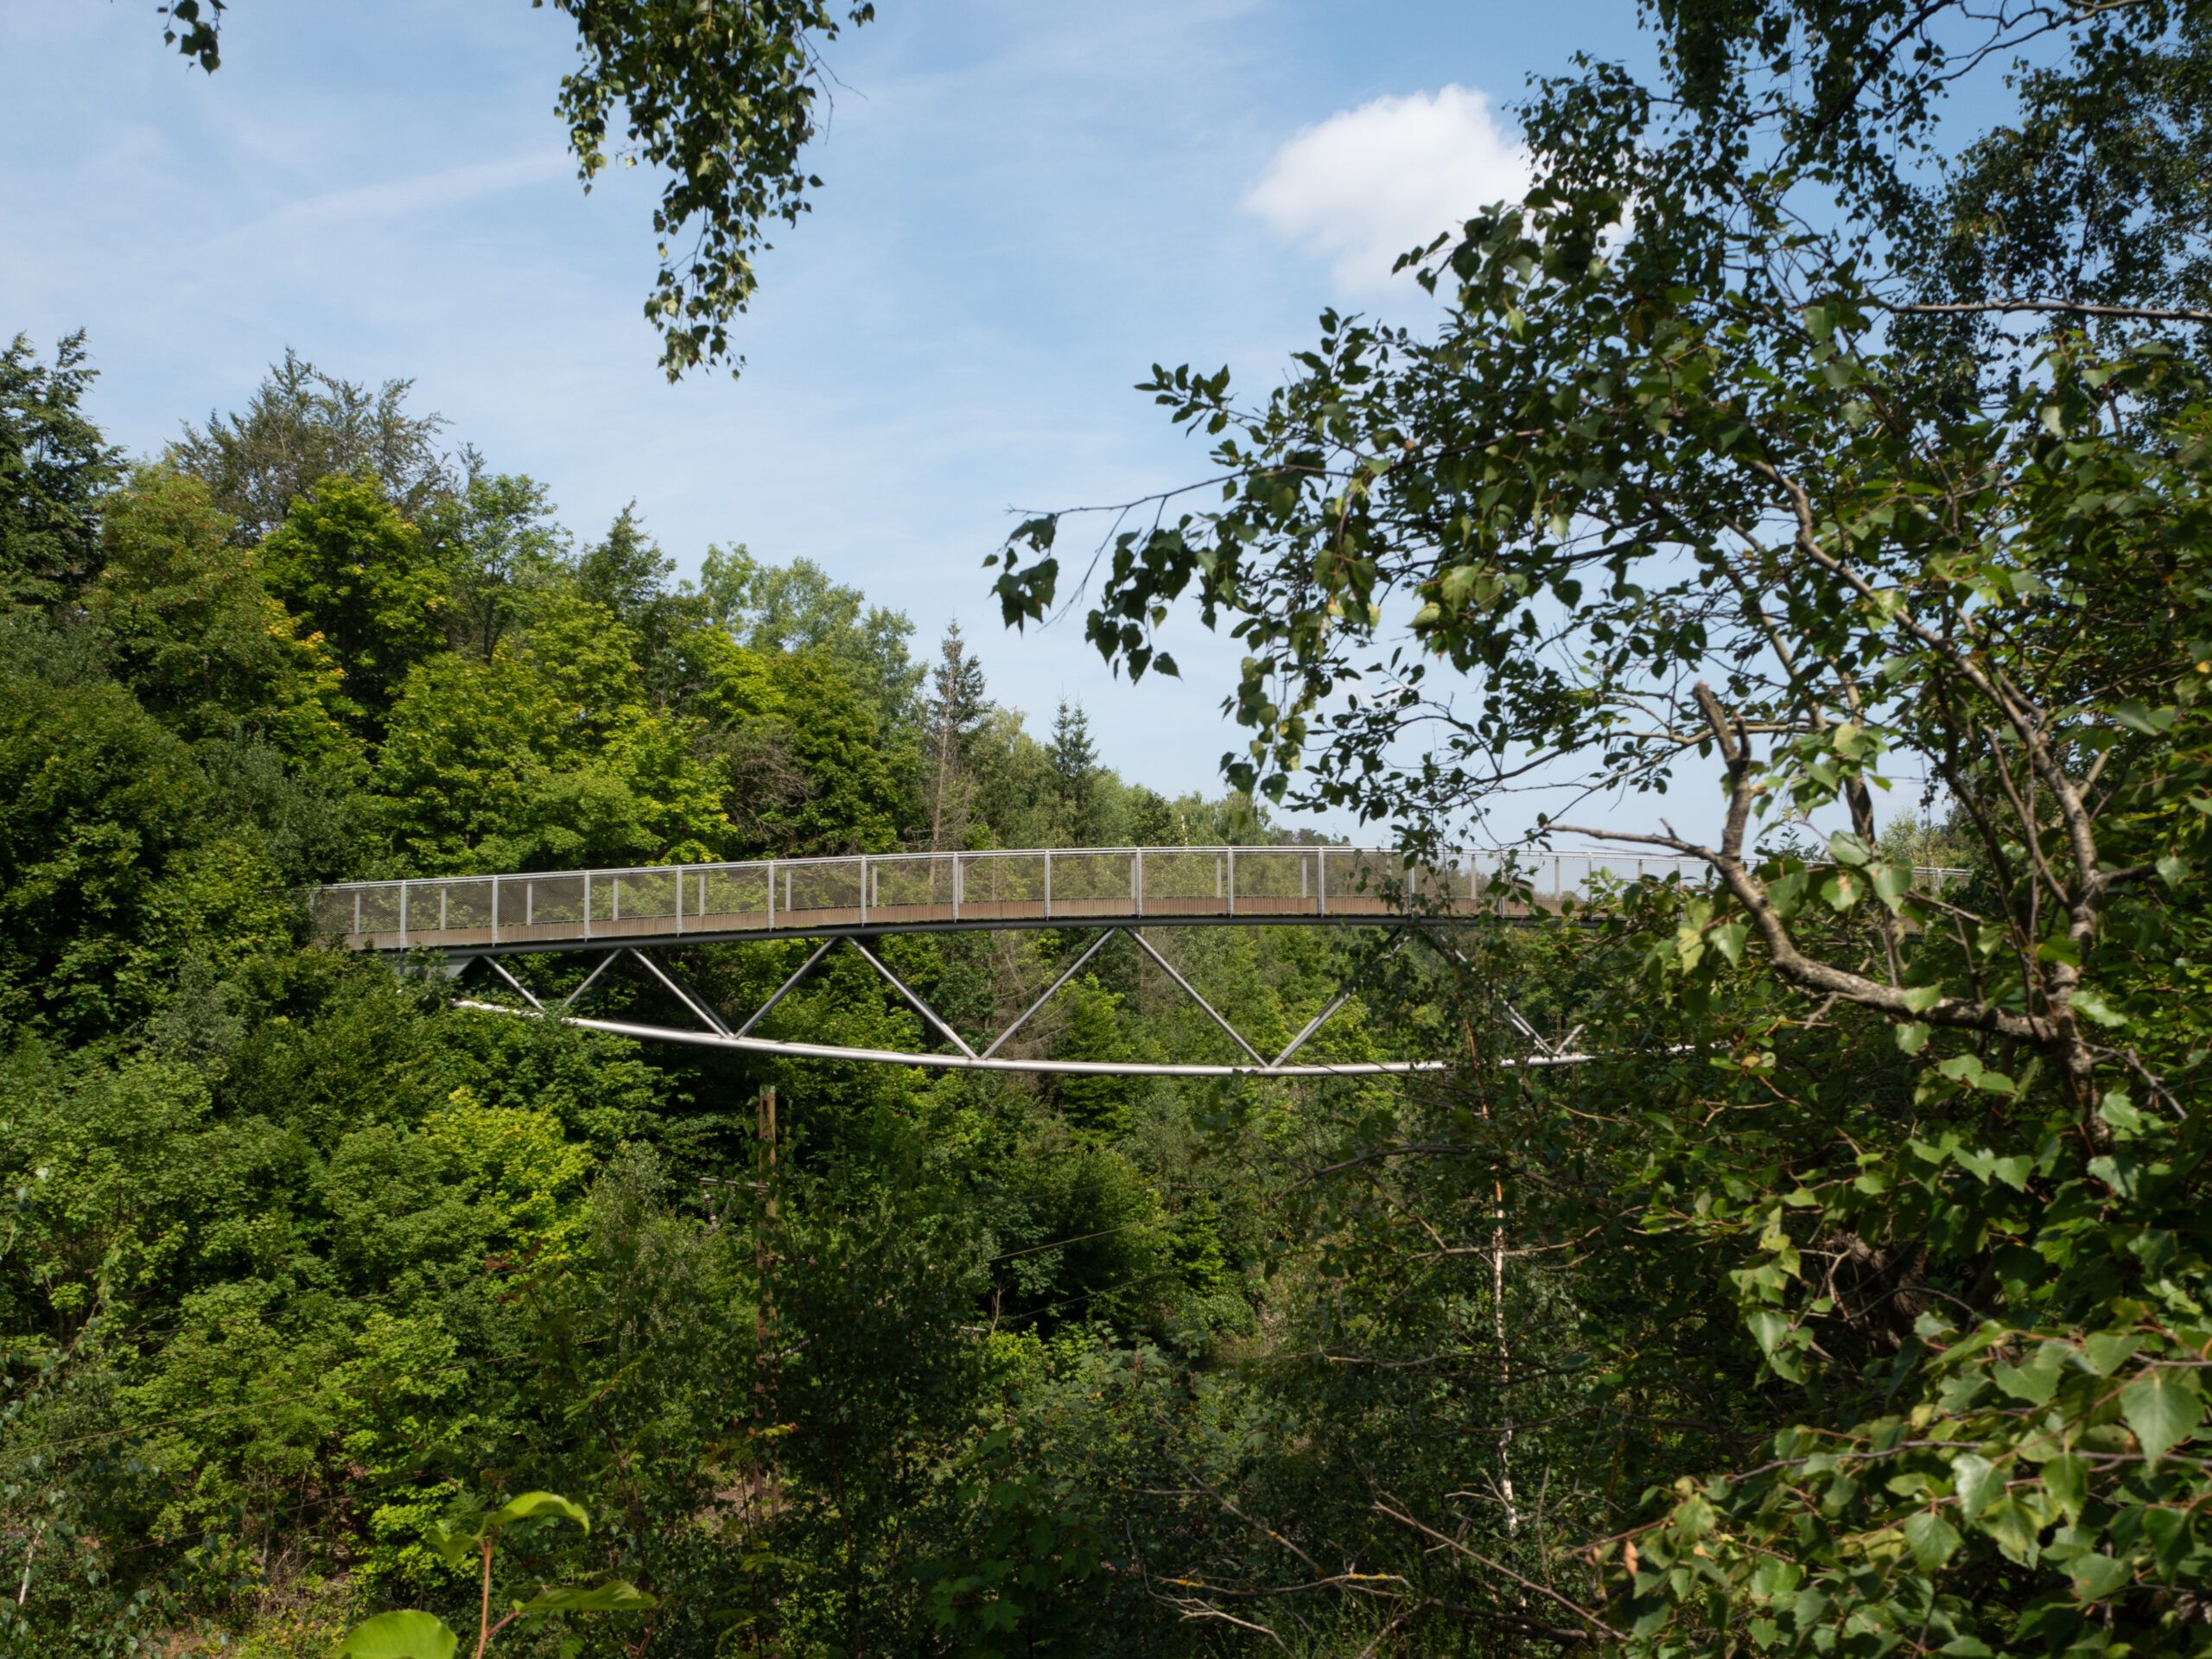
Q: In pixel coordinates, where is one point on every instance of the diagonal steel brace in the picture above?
(500, 968)
(922, 1007)
(1343, 997)
(787, 987)
(571, 999)
(1169, 968)
(1051, 991)
(707, 1016)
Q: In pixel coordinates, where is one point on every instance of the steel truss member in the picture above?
(707, 1028)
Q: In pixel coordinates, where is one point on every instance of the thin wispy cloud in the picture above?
(357, 206)
(1363, 187)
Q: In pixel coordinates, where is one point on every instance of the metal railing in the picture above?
(923, 891)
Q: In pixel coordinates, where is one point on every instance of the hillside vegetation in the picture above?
(1793, 443)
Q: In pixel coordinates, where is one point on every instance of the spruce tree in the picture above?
(1074, 763)
(956, 706)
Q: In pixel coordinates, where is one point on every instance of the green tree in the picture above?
(500, 550)
(797, 607)
(113, 868)
(1095, 1028)
(808, 766)
(956, 706)
(356, 573)
(546, 756)
(302, 426)
(626, 572)
(55, 468)
(1675, 494)
(1075, 769)
(201, 642)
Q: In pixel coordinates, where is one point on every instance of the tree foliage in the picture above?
(1699, 477)
(54, 464)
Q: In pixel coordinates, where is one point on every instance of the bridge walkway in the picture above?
(818, 897)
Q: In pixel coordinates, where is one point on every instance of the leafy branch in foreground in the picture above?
(1698, 488)
(720, 99)
(411, 1634)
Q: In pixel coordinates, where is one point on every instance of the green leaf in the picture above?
(1977, 1481)
(1846, 849)
(1921, 998)
(2144, 721)
(2096, 1577)
(615, 1596)
(2066, 1480)
(1962, 1068)
(2038, 1380)
(1933, 1540)
(452, 1544)
(2173, 870)
(2163, 1405)
(2087, 1001)
(2108, 1349)
(1843, 890)
(1729, 941)
(2118, 1110)
(2009, 1522)
(1912, 1037)
(1891, 883)
(401, 1636)
(530, 1506)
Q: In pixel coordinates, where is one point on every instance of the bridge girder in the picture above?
(707, 1028)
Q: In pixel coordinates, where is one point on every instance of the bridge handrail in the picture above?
(1349, 874)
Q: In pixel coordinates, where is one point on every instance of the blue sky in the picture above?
(1025, 206)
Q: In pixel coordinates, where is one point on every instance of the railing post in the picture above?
(1136, 878)
(772, 892)
(356, 912)
(1321, 879)
(402, 915)
(679, 901)
(495, 910)
(617, 915)
(441, 906)
(863, 889)
(957, 880)
(1048, 884)
(586, 903)
(1232, 880)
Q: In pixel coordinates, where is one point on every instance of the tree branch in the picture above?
(2049, 307)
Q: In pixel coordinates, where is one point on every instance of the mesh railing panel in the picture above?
(921, 887)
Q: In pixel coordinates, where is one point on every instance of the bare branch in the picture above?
(2051, 308)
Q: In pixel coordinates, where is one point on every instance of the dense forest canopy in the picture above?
(1786, 440)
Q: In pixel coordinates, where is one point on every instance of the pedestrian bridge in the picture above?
(827, 898)
(638, 921)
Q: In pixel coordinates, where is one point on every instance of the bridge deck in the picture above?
(573, 910)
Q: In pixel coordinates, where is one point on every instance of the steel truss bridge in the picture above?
(640, 915)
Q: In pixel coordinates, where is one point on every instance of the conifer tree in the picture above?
(1074, 763)
(956, 708)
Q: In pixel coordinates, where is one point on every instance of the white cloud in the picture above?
(1365, 185)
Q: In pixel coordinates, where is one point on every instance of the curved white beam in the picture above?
(992, 1063)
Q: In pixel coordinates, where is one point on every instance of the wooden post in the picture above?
(1498, 1300)
(765, 1184)
(764, 1311)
